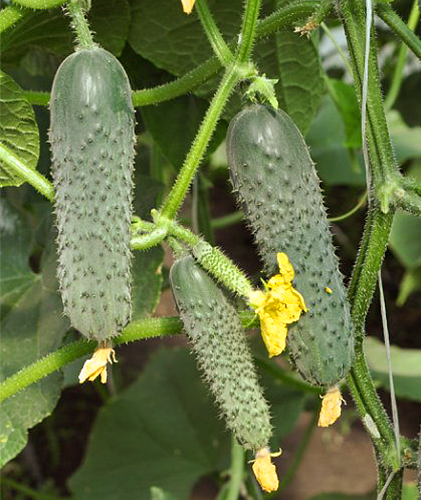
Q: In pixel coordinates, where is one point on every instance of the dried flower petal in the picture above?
(97, 365)
(265, 471)
(331, 407)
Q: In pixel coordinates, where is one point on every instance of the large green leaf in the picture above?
(18, 129)
(300, 75)
(164, 35)
(161, 33)
(162, 431)
(32, 326)
(406, 367)
(166, 426)
(50, 30)
(16, 241)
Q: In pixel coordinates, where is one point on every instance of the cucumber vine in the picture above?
(389, 190)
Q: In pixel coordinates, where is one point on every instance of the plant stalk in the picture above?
(221, 49)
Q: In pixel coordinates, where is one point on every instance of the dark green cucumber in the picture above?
(92, 143)
(276, 183)
(213, 326)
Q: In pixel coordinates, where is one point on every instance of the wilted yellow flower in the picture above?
(97, 365)
(265, 471)
(188, 5)
(279, 306)
(331, 407)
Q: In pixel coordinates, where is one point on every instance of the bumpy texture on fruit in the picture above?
(277, 186)
(219, 343)
(92, 142)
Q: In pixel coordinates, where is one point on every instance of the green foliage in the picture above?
(327, 141)
(50, 31)
(168, 435)
(168, 429)
(32, 325)
(158, 437)
(301, 84)
(18, 129)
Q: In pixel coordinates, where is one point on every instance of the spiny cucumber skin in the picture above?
(214, 328)
(276, 183)
(92, 143)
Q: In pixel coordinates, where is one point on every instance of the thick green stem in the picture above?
(361, 289)
(80, 25)
(138, 330)
(248, 30)
(397, 75)
(10, 15)
(367, 266)
(200, 143)
(236, 470)
(221, 49)
(37, 180)
(395, 23)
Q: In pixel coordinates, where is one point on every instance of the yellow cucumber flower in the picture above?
(97, 365)
(265, 471)
(188, 5)
(279, 306)
(331, 407)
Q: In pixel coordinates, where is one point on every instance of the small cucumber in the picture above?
(92, 143)
(213, 326)
(276, 183)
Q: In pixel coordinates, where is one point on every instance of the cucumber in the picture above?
(92, 143)
(277, 186)
(215, 330)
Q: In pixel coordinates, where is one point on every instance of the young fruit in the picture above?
(214, 328)
(276, 183)
(92, 143)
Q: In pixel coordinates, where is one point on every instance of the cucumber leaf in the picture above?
(32, 328)
(301, 85)
(18, 130)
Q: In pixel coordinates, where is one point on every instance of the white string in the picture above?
(369, 19)
(395, 418)
(386, 485)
